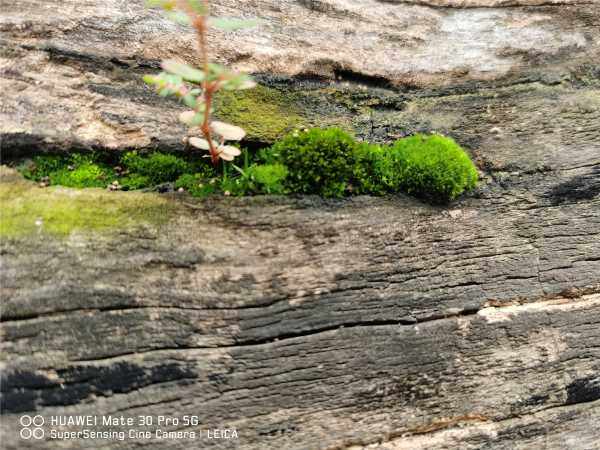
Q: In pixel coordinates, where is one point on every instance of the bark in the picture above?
(321, 324)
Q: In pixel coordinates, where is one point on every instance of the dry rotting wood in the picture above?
(323, 324)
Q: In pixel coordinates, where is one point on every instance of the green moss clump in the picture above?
(265, 113)
(255, 179)
(366, 178)
(319, 161)
(157, 167)
(331, 163)
(82, 171)
(134, 181)
(42, 166)
(79, 171)
(28, 210)
(434, 167)
(85, 175)
(236, 186)
(328, 162)
(198, 185)
(266, 178)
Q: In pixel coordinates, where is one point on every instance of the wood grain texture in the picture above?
(321, 324)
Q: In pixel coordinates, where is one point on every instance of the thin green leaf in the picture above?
(239, 169)
(179, 17)
(232, 23)
(198, 6)
(216, 71)
(173, 79)
(165, 4)
(183, 70)
(240, 82)
(150, 79)
(191, 118)
(190, 101)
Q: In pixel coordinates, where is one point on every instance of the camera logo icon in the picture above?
(31, 427)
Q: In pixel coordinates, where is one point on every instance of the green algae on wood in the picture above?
(29, 210)
(269, 113)
(265, 113)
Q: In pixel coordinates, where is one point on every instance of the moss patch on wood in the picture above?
(329, 162)
(265, 113)
(59, 211)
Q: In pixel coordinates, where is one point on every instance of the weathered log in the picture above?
(306, 323)
(314, 324)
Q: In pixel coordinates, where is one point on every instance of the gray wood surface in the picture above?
(305, 323)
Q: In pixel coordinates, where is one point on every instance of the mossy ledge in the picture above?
(328, 162)
(58, 211)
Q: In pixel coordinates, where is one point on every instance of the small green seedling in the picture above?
(197, 87)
